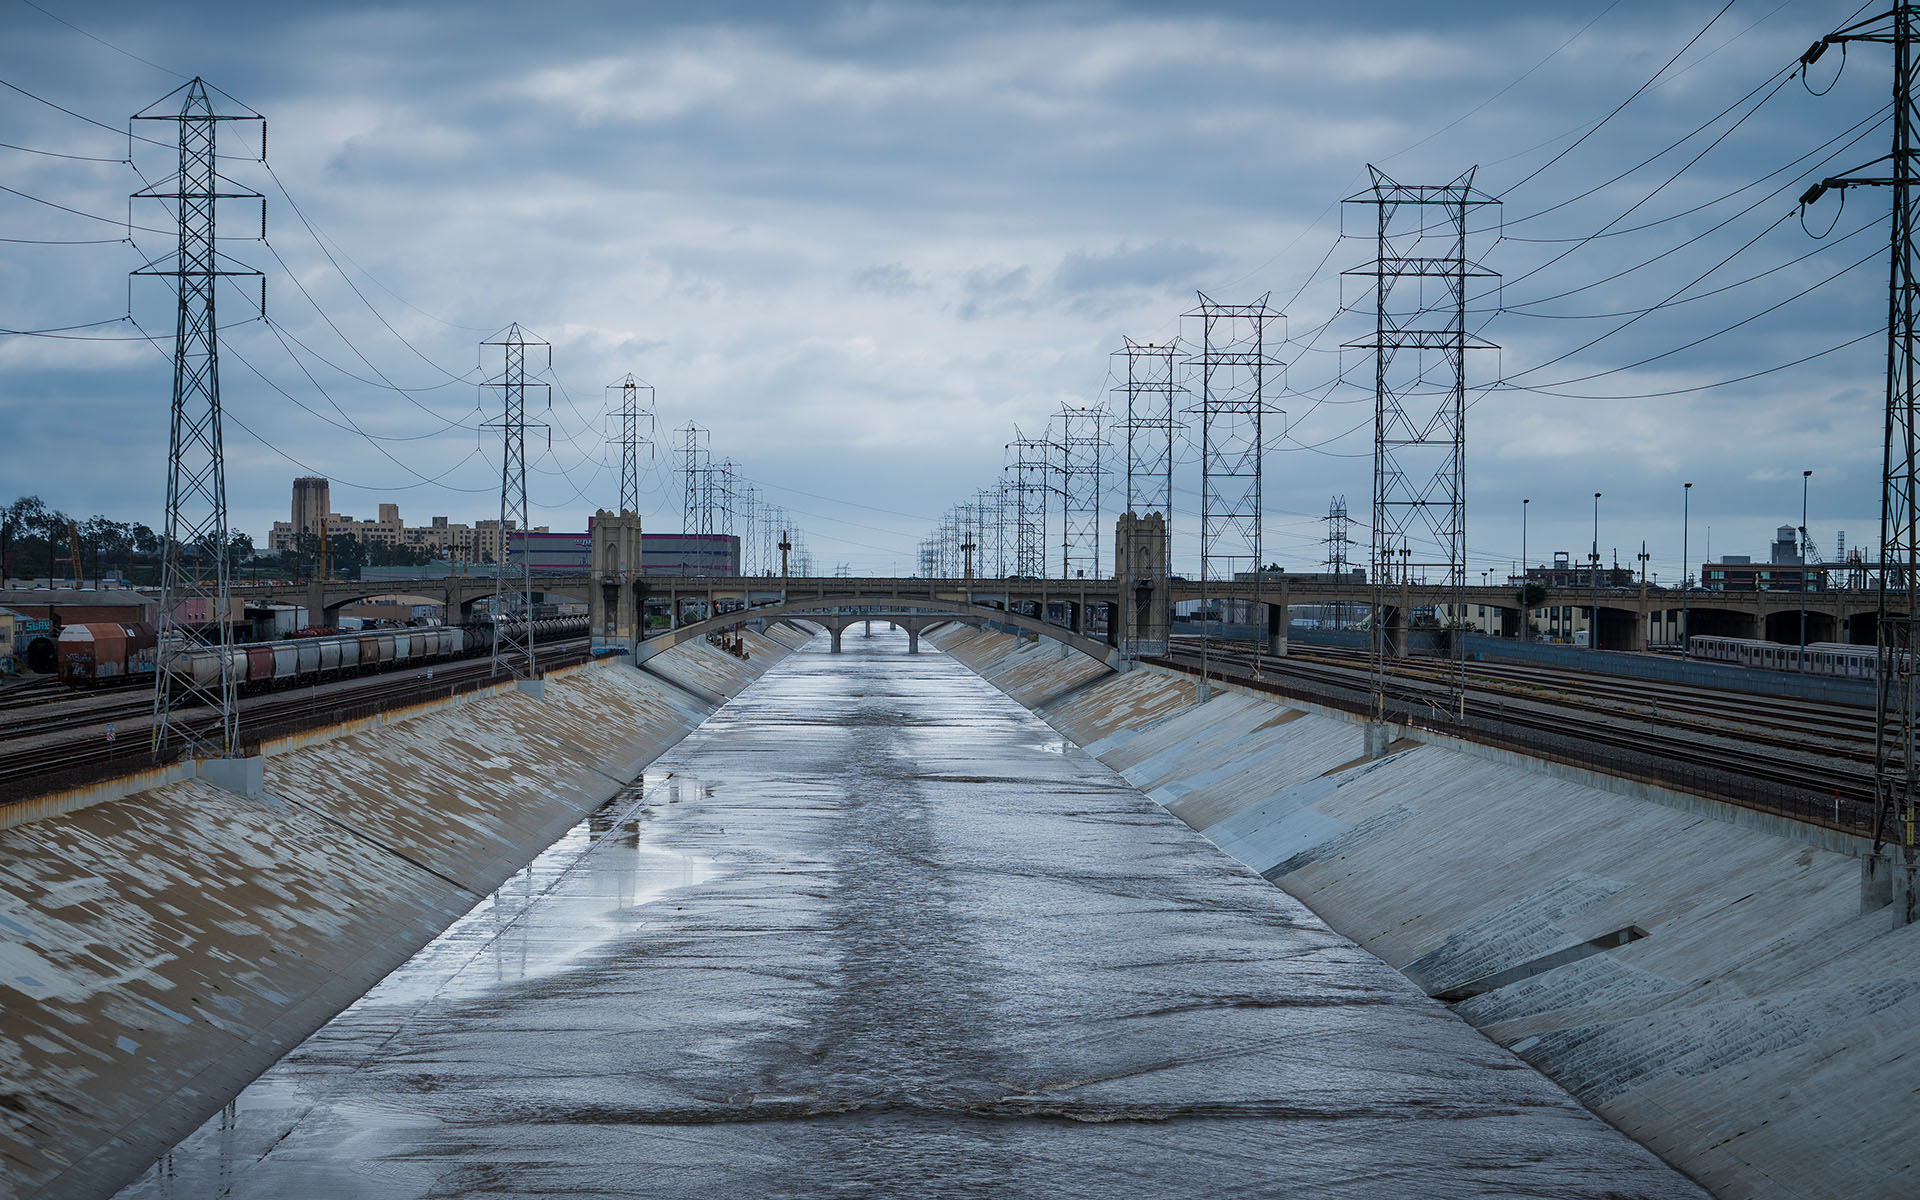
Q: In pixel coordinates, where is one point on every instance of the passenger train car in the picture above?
(1819, 658)
(101, 653)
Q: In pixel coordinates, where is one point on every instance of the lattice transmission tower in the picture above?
(1422, 277)
(1894, 869)
(696, 511)
(1338, 539)
(1152, 385)
(196, 562)
(637, 429)
(1232, 373)
(1030, 461)
(1080, 459)
(513, 591)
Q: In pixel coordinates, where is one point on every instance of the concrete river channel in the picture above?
(875, 930)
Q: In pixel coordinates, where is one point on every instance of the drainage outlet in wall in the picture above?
(1541, 965)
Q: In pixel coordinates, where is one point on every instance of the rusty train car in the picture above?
(99, 653)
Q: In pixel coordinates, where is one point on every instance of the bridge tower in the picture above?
(616, 595)
(1140, 558)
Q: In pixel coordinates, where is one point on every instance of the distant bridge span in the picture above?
(911, 613)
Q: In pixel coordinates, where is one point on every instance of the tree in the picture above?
(17, 520)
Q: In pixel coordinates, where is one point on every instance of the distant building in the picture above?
(1739, 573)
(1786, 547)
(479, 542)
(310, 504)
(666, 554)
(1565, 573)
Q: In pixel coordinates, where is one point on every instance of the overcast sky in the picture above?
(861, 242)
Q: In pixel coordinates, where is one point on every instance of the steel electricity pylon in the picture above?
(513, 581)
(1081, 465)
(1029, 461)
(196, 553)
(636, 430)
(1152, 383)
(1895, 864)
(1233, 371)
(1421, 276)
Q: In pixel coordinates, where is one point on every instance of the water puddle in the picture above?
(588, 887)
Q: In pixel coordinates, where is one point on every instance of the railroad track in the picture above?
(262, 718)
(1756, 766)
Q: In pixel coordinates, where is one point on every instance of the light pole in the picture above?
(1526, 614)
(1686, 571)
(1805, 477)
(1593, 637)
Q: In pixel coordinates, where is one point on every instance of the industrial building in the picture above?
(678, 554)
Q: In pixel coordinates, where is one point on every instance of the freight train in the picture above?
(107, 653)
(1818, 658)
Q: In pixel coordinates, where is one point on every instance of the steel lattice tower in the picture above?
(1338, 539)
(513, 590)
(636, 430)
(196, 563)
(696, 513)
(1152, 383)
(1896, 757)
(1232, 366)
(1030, 465)
(1421, 276)
(1082, 472)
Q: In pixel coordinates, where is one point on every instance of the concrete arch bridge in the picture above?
(913, 614)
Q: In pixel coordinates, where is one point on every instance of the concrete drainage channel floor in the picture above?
(875, 930)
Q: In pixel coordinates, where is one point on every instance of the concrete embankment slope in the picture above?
(160, 950)
(1709, 987)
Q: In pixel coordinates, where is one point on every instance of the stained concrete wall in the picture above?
(159, 950)
(1760, 1036)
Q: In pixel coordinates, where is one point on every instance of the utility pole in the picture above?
(1337, 542)
(1420, 411)
(195, 567)
(1526, 569)
(1892, 878)
(1806, 477)
(696, 512)
(1593, 577)
(636, 429)
(785, 579)
(513, 584)
(1686, 569)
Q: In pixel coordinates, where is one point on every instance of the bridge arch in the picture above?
(904, 611)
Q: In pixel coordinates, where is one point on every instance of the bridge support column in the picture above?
(913, 639)
(613, 606)
(834, 632)
(1077, 616)
(1891, 878)
(869, 629)
(317, 602)
(1277, 621)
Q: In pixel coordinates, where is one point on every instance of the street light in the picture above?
(1526, 614)
(1593, 638)
(1686, 572)
(1805, 476)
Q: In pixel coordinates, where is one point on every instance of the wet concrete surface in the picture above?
(875, 930)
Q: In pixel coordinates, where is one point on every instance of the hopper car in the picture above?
(97, 653)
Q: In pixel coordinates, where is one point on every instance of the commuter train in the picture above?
(106, 653)
(1819, 658)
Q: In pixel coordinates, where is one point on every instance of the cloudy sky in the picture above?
(860, 243)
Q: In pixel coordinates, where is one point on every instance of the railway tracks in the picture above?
(1739, 748)
(76, 750)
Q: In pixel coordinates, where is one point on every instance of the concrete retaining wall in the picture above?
(1754, 1028)
(159, 950)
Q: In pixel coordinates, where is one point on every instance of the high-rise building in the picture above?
(310, 504)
